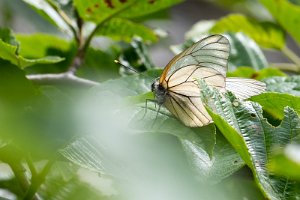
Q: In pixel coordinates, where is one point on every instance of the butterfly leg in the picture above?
(156, 116)
(146, 106)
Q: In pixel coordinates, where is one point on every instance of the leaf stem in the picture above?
(64, 17)
(89, 38)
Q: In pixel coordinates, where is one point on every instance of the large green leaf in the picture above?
(266, 34)
(286, 14)
(9, 52)
(116, 120)
(39, 45)
(289, 85)
(98, 11)
(49, 12)
(123, 29)
(274, 103)
(252, 136)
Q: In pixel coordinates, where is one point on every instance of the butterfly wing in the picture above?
(243, 88)
(206, 59)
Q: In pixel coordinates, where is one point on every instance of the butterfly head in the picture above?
(159, 92)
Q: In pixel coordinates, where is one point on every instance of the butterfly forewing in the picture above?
(206, 59)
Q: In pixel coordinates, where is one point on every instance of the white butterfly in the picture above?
(178, 90)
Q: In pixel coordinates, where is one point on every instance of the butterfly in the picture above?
(178, 90)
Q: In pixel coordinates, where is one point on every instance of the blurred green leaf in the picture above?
(286, 14)
(223, 163)
(252, 136)
(14, 87)
(7, 36)
(90, 152)
(248, 72)
(136, 55)
(266, 34)
(245, 52)
(65, 181)
(85, 153)
(48, 45)
(9, 52)
(98, 11)
(123, 29)
(289, 85)
(286, 162)
(99, 65)
(49, 12)
(274, 103)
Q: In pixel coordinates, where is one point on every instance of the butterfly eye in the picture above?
(153, 86)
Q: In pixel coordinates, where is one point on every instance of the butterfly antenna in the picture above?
(127, 67)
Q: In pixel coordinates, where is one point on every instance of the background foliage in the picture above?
(73, 122)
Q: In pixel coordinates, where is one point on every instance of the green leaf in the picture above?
(289, 85)
(274, 103)
(99, 11)
(7, 36)
(286, 162)
(266, 34)
(99, 65)
(49, 12)
(286, 14)
(223, 163)
(252, 136)
(14, 87)
(9, 52)
(248, 72)
(245, 52)
(85, 153)
(48, 45)
(109, 98)
(122, 29)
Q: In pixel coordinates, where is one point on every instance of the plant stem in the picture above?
(89, 38)
(285, 66)
(31, 165)
(36, 181)
(64, 17)
(292, 56)
(67, 78)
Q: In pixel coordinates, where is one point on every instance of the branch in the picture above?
(63, 78)
(285, 66)
(292, 56)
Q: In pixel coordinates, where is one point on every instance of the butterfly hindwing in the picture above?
(243, 88)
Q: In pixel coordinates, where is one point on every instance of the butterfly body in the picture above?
(160, 92)
(178, 90)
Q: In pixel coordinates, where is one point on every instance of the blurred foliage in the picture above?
(99, 140)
